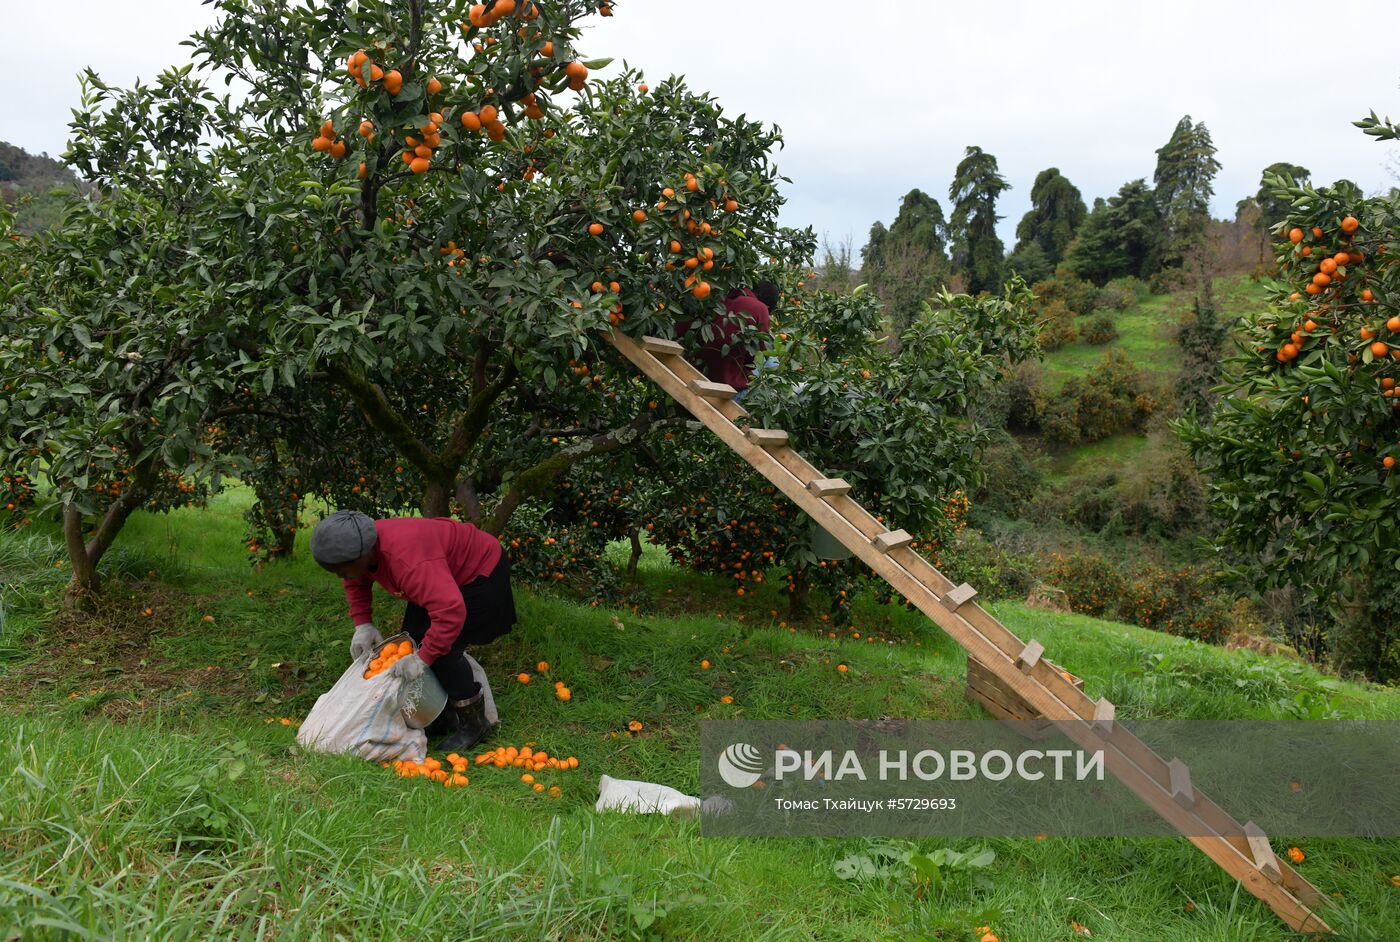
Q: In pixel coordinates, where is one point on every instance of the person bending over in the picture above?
(456, 580)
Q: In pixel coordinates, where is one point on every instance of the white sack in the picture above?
(363, 718)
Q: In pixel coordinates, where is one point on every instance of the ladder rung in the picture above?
(891, 540)
(957, 597)
(1103, 716)
(1030, 656)
(703, 387)
(768, 437)
(662, 347)
(828, 487)
(1182, 792)
(1264, 857)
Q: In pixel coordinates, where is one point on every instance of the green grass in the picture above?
(1145, 331)
(144, 794)
(1095, 457)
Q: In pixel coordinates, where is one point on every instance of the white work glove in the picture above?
(366, 639)
(408, 668)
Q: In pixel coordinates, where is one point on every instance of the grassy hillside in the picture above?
(146, 789)
(1145, 330)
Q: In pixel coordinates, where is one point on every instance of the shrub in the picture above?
(1012, 482)
(1026, 401)
(1183, 601)
(1057, 327)
(1112, 399)
(1163, 492)
(1100, 412)
(1122, 293)
(996, 573)
(1093, 585)
(1059, 421)
(1090, 503)
(1078, 295)
(1167, 280)
(1101, 330)
(1187, 601)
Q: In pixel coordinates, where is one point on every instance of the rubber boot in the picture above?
(472, 726)
(445, 725)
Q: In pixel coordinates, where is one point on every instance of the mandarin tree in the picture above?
(1301, 452)
(428, 214)
(454, 303)
(113, 350)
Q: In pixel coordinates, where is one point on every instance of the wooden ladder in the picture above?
(1242, 850)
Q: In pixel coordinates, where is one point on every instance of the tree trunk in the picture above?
(635, 534)
(84, 557)
(800, 598)
(437, 499)
(281, 519)
(471, 504)
(85, 583)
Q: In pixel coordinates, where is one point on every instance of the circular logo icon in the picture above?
(741, 765)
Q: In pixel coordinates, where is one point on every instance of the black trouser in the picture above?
(490, 614)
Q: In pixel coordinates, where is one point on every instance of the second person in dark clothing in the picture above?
(723, 355)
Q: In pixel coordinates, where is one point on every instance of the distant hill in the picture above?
(25, 183)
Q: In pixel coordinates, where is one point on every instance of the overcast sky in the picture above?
(878, 97)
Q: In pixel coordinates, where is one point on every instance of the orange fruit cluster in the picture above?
(1326, 273)
(355, 65)
(388, 655)
(433, 770)
(328, 142)
(482, 15)
(418, 154)
(562, 692)
(530, 761)
(578, 75)
(487, 119)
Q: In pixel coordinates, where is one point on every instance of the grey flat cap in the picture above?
(344, 536)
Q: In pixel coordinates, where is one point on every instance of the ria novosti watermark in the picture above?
(975, 778)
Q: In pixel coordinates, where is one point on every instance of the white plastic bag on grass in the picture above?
(363, 718)
(618, 794)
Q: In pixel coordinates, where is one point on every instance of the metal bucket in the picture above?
(827, 546)
(424, 698)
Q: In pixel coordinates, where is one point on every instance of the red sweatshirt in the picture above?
(731, 367)
(426, 560)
